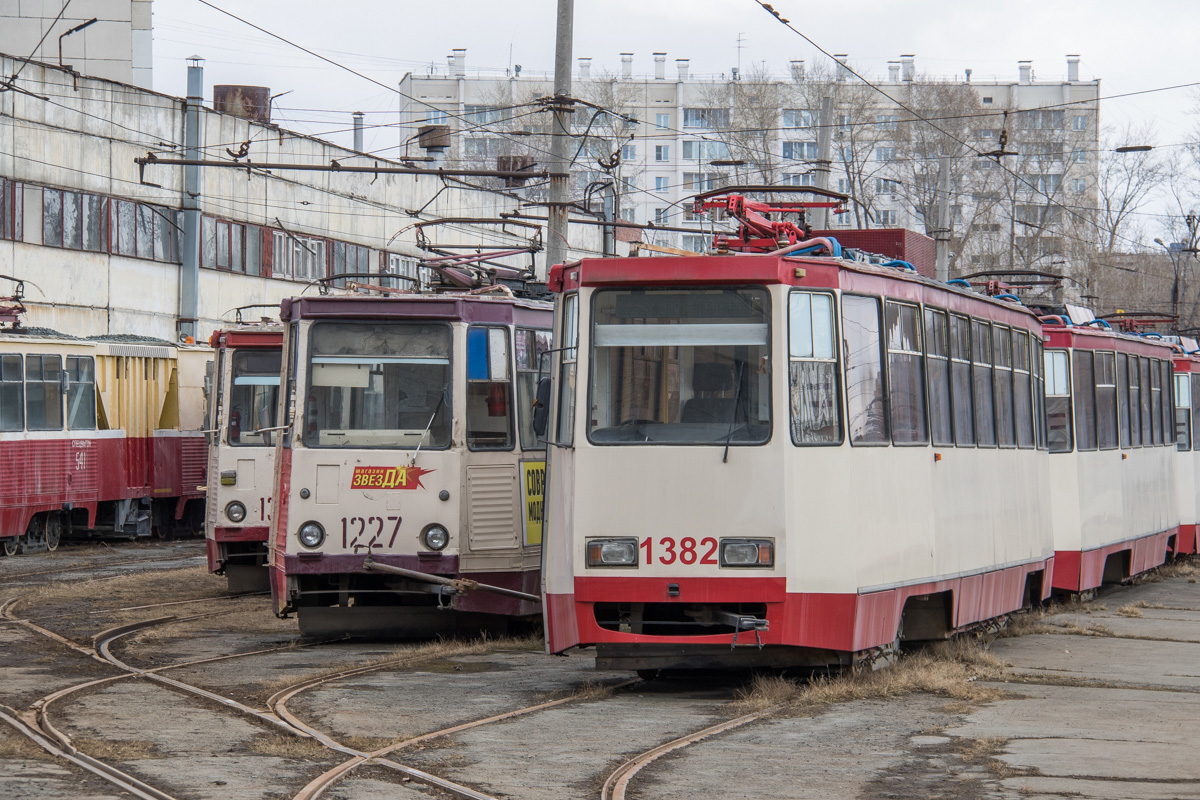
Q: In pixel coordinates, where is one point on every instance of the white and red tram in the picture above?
(1110, 421)
(98, 436)
(408, 477)
(241, 456)
(1187, 443)
(786, 459)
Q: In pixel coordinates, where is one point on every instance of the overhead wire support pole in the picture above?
(560, 138)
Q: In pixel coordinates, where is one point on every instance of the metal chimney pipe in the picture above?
(893, 71)
(585, 68)
(908, 67)
(1072, 68)
(682, 65)
(358, 131)
(797, 71)
(660, 66)
(460, 61)
(968, 74)
(1025, 70)
(840, 58)
(626, 65)
(189, 274)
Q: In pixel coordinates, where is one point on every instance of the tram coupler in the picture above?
(740, 623)
(459, 585)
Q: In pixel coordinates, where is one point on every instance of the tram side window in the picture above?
(866, 410)
(81, 393)
(1156, 399)
(43, 393)
(937, 366)
(1058, 401)
(812, 370)
(565, 425)
(1002, 382)
(1106, 401)
(530, 344)
(489, 389)
(981, 374)
(1183, 412)
(1085, 399)
(1123, 399)
(1195, 395)
(12, 394)
(1039, 393)
(254, 396)
(1135, 402)
(383, 384)
(1147, 403)
(960, 377)
(906, 381)
(1022, 390)
(1168, 400)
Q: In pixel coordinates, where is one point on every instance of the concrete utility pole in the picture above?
(560, 140)
(189, 273)
(824, 156)
(610, 216)
(942, 234)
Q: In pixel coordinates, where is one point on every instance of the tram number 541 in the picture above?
(686, 551)
(355, 529)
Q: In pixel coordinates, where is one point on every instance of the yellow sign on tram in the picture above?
(533, 499)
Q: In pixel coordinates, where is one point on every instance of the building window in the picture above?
(695, 242)
(1079, 156)
(701, 181)
(628, 214)
(1078, 185)
(800, 151)
(662, 152)
(987, 101)
(886, 186)
(706, 118)
(480, 147)
(797, 118)
(694, 150)
(1079, 122)
(660, 184)
(887, 122)
(481, 115)
(628, 152)
(660, 216)
(885, 153)
(12, 202)
(662, 122)
(803, 179)
(435, 116)
(887, 218)
(843, 186)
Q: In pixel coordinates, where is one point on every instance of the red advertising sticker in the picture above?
(388, 477)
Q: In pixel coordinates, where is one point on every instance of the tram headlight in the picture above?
(235, 511)
(747, 553)
(311, 534)
(435, 537)
(612, 552)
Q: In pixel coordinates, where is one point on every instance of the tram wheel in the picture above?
(53, 531)
(11, 545)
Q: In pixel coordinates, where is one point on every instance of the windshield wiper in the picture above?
(432, 417)
(737, 393)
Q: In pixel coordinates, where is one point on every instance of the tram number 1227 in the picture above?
(686, 551)
(355, 528)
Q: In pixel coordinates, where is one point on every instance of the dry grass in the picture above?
(1027, 623)
(128, 590)
(407, 655)
(1130, 611)
(16, 746)
(282, 745)
(950, 670)
(110, 750)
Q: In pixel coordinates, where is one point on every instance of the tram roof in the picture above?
(502, 310)
(1080, 337)
(250, 335)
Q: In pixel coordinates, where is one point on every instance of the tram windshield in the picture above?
(378, 385)
(680, 366)
(253, 397)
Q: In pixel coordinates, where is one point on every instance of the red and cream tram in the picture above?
(98, 437)
(1109, 416)
(408, 476)
(788, 458)
(1187, 443)
(241, 455)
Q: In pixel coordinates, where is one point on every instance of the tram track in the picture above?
(105, 565)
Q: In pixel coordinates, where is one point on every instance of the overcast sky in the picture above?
(1129, 47)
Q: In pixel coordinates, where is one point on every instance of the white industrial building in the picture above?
(696, 132)
(105, 247)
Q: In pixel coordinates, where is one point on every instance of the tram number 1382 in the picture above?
(368, 531)
(685, 551)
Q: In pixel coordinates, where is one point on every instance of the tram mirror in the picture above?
(541, 406)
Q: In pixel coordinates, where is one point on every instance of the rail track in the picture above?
(8, 577)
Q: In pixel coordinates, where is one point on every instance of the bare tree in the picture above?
(748, 111)
(1126, 183)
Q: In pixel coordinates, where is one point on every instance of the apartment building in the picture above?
(677, 133)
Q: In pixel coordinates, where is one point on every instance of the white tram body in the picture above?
(241, 455)
(718, 497)
(408, 446)
(1187, 444)
(1109, 415)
